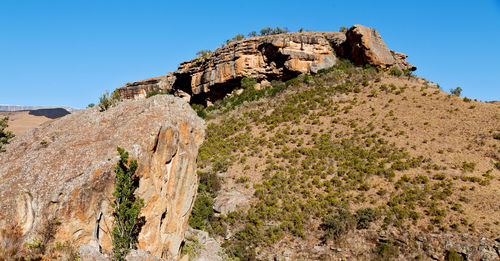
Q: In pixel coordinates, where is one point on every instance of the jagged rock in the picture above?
(229, 201)
(211, 77)
(141, 88)
(91, 253)
(71, 179)
(210, 248)
(364, 45)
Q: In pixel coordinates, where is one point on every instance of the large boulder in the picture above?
(364, 45)
(229, 201)
(61, 174)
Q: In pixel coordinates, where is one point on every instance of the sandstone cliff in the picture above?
(63, 172)
(208, 78)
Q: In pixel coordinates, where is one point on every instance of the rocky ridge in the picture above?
(211, 77)
(62, 173)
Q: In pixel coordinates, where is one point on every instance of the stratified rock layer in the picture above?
(210, 77)
(64, 171)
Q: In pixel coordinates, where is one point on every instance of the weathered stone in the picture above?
(90, 253)
(229, 201)
(365, 46)
(71, 179)
(211, 77)
(210, 248)
(140, 89)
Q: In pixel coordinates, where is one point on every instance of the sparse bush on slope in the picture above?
(456, 92)
(107, 101)
(5, 135)
(311, 159)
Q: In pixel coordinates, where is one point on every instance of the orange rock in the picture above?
(75, 187)
(209, 78)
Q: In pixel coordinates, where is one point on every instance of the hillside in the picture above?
(314, 146)
(350, 163)
(23, 118)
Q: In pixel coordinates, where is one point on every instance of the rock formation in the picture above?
(210, 77)
(63, 173)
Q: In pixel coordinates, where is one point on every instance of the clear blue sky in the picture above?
(70, 52)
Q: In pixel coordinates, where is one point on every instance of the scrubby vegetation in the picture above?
(40, 247)
(107, 101)
(316, 172)
(456, 92)
(154, 93)
(5, 135)
(192, 247)
(126, 206)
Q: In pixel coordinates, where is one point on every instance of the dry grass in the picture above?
(454, 136)
(21, 121)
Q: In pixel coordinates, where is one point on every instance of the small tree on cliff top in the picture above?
(126, 206)
(5, 135)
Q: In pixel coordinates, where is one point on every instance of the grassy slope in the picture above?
(350, 138)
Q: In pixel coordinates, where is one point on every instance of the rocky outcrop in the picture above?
(212, 76)
(364, 45)
(229, 201)
(208, 248)
(141, 88)
(62, 173)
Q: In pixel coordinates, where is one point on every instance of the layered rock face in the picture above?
(64, 172)
(265, 58)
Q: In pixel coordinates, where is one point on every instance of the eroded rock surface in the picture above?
(210, 248)
(211, 77)
(64, 171)
(229, 201)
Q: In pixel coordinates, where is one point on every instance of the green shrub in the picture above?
(155, 92)
(456, 92)
(365, 216)
(91, 105)
(127, 206)
(209, 183)
(200, 110)
(497, 165)
(203, 211)
(204, 54)
(271, 31)
(496, 136)
(238, 37)
(395, 71)
(337, 225)
(5, 135)
(468, 166)
(192, 247)
(452, 255)
(387, 251)
(107, 101)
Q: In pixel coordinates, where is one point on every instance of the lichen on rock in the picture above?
(71, 179)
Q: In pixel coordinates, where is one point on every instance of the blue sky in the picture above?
(70, 52)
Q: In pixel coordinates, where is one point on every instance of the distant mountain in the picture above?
(31, 108)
